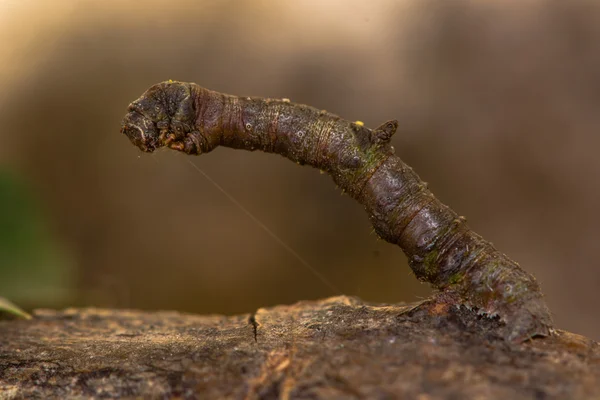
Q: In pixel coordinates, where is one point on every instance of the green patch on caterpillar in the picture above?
(442, 250)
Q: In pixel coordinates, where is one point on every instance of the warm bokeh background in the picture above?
(499, 109)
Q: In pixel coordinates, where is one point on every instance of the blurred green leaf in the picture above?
(9, 311)
(34, 269)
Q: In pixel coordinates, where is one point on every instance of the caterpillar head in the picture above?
(162, 116)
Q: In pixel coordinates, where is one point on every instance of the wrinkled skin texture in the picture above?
(442, 250)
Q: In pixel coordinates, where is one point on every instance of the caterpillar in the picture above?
(465, 269)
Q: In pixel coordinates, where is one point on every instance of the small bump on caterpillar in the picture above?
(441, 248)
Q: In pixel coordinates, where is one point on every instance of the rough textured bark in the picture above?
(441, 248)
(338, 348)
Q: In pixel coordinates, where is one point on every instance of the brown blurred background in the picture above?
(498, 104)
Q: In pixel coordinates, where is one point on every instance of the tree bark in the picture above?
(337, 348)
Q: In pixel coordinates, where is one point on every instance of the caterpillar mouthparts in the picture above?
(141, 131)
(163, 117)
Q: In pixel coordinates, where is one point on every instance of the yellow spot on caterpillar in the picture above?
(359, 123)
(285, 100)
(170, 80)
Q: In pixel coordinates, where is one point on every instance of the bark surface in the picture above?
(337, 348)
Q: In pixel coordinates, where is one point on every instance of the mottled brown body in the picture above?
(441, 248)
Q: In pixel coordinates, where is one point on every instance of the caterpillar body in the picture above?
(441, 248)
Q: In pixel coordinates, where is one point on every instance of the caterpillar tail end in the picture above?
(518, 323)
(530, 320)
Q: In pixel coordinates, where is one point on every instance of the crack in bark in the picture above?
(252, 321)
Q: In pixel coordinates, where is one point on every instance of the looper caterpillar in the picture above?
(441, 248)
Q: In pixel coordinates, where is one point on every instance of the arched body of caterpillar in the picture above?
(441, 248)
